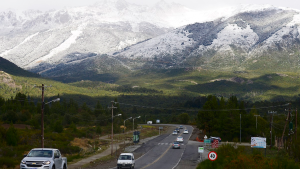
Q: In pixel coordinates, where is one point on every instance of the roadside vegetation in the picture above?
(211, 100)
(230, 157)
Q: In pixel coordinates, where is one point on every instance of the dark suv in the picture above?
(215, 138)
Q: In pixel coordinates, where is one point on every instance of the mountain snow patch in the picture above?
(171, 43)
(24, 41)
(62, 47)
(233, 34)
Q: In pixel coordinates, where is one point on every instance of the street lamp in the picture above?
(124, 130)
(124, 124)
(112, 128)
(43, 104)
(133, 121)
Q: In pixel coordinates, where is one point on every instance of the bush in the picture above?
(231, 158)
(98, 130)
(7, 161)
(12, 137)
(58, 127)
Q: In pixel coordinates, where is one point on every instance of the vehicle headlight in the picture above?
(46, 162)
(23, 162)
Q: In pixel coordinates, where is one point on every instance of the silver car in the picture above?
(176, 144)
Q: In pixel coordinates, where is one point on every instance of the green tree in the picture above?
(98, 130)
(58, 127)
(184, 118)
(12, 136)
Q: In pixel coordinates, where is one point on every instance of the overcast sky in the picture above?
(194, 4)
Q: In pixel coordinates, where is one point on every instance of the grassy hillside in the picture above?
(177, 83)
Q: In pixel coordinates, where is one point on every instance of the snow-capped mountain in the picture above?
(247, 38)
(33, 37)
(117, 36)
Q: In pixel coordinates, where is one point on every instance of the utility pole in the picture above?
(256, 120)
(42, 122)
(240, 128)
(296, 124)
(287, 118)
(271, 124)
(112, 126)
(42, 111)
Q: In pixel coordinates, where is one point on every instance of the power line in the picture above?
(201, 109)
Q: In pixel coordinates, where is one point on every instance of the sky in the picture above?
(44, 5)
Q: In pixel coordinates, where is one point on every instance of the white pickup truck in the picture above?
(41, 158)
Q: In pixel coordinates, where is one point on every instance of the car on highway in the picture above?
(185, 131)
(214, 138)
(43, 158)
(176, 144)
(181, 127)
(126, 160)
(177, 129)
(179, 139)
(174, 132)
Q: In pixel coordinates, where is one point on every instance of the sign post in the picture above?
(212, 156)
(205, 140)
(200, 151)
(160, 128)
(259, 142)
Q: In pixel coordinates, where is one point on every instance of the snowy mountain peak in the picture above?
(112, 4)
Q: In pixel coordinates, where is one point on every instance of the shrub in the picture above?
(58, 127)
(12, 137)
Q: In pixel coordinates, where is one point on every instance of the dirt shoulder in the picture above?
(195, 134)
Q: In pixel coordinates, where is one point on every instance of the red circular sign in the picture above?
(212, 156)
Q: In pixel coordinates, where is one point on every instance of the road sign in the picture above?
(258, 142)
(212, 156)
(215, 144)
(160, 128)
(207, 141)
(200, 149)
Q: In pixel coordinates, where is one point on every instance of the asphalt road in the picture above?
(161, 154)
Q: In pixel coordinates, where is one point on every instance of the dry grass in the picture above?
(17, 126)
(81, 142)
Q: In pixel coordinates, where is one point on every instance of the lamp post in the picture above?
(43, 104)
(112, 125)
(133, 121)
(124, 130)
(124, 124)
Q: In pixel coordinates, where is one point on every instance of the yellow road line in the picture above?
(159, 156)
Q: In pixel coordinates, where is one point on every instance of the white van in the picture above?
(126, 160)
(149, 122)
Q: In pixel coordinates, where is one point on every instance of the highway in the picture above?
(161, 154)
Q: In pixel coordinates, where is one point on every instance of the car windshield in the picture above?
(40, 153)
(175, 142)
(179, 137)
(125, 157)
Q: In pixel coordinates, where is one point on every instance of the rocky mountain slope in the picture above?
(114, 36)
(263, 37)
(33, 37)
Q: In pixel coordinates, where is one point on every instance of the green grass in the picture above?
(172, 83)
